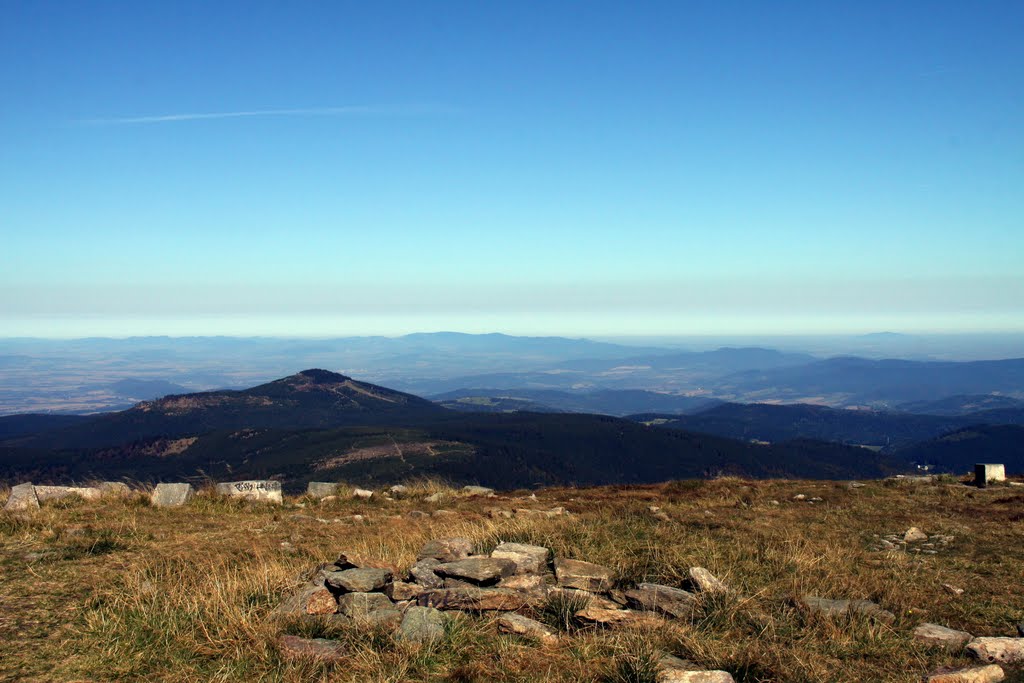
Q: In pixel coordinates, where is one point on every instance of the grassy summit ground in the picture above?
(117, 590)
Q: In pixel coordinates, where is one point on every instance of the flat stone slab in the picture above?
(835, 608)
(974, 674)
(940, 636)
(423, 573)
(529, 559)
(421, 624)
(446, 549)
(472, 599)
(706, 582)
(654, 597)
(359, 580)
(23, 497)
(583, 575)
(683, 676)
(1002, 650)
(479, 570)
(320, 649)
(321, 489)
(253, 489)
(524, 626)
(477, 491)
(44, 493)
(365, 494)
(171, 495)
(612, 618)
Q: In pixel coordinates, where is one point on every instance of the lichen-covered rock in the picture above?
(446, 549)
(23, 497)
(321, 601)
(974, 674)
(654, 597)
(529, 559)
(584, 575)
(423, 573)
(359, 580)
(358, 605)
(524, 626)
(479, 570)
(940, 636)
(471, 598)
(1003, 650)
(833, 608)
(422, 624)
(320, 649)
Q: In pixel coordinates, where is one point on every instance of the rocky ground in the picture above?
(687, 581)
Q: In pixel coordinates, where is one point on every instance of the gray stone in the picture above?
(387, 619)
(1003, 650)
(477, 491)
(985, 474)
(423, 573)
(529, 559)
(446, 549)
(422, 624)
(940, 636)
(171, 495)
(478, 570)
(365, 494)
(618, 617)
(975, 674)
(914, 535)
(706, 582)
(261, 490)
(23, 497)
(319, 649)
(44, 493)
(359, 580)
(114, 488)
(472, 598)
(524, 626)
(654, 597)
(832, 608)
(417, 514)
(399, 490)
(584, 575)
(321, 489)
(358, 605)
(400, 590)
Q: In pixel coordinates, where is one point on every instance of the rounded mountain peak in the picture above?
(318, 376)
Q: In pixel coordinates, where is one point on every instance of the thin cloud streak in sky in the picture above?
(309, 111)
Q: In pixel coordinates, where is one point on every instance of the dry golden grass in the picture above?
(117, 590)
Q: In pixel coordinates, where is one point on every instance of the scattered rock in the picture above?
(800, 496)
(706, 582)
(23, 497)
(435, 497)
(472, 598)
(254, 489)
(321, 489)
(1004, 650)
(975, 674)
(832, 608)
(479, 570)
(543, 514)
(320, 649)
(654, 597)
(171, 495)
(446, 549)
(914, 535)
(524, 626)
(855, 485)
(584, 575)
(359, 580)
(399, 490)
(362, 493)
(358, 605)
(940, 636)
(529, 559)
(445, 513)
(477, 491)
(417, 514)
(422, 624)
(498, 513)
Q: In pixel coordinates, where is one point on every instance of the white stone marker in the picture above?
(171, 495)
(988, 472)
(254, 489)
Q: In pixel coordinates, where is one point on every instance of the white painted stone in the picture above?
(253, 489)
(986, 473)
(171, 495)
(23, 497)
(58, 492)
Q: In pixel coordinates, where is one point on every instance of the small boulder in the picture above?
(362, 493)
(319, 649)
(524, 626)
(974, 674)
(914, 535)
(529, 559)
(359, 580)
(260, 490)
(23, 497)
(321, 601)
(400, 590)
(44, 493)
(654, 597)
(706, 582)
(358, 605)
(479, 570)
(422, 624)
(477, 491)
(832, 608)
(446, 549)
(940, 636)
(399, 490)
(584, 575)
(423, 573)
(171, 495)
(1003, 650)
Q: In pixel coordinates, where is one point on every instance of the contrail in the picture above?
(311, 111)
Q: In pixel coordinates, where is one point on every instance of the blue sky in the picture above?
(541, 168)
